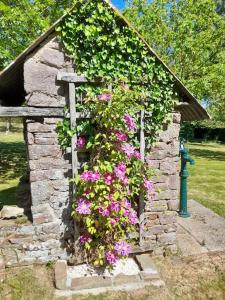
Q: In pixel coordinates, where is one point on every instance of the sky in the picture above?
(118, 3)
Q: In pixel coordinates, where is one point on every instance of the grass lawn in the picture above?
(206, 183)
(12, 165)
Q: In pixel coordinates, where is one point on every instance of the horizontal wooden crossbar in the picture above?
(25, 111)
(74, 78)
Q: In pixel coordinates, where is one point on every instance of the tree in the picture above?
(24, 20)
(189, 36)
(220, 6)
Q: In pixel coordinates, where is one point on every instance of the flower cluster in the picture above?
(108, 192)
(90, 176)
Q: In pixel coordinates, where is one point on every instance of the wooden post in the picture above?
(72, 103)
(141, 198)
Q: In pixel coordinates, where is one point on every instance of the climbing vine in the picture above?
(103, 46)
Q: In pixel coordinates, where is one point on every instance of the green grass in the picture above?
(206, 183)
(12, 165)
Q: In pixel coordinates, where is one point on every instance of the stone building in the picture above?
(32, 79)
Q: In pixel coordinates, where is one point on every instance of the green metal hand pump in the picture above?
(183, 212)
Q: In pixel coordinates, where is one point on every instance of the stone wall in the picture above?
(50, 235)
(160, 210)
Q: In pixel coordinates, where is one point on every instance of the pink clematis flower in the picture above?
(81, 141)
(120, 170)
(111, 257)
(104, 97)
(105, 212)
(137, 154)
(95, 176)
(122, 248)
(129, 122)
(84, 238)
(133, 217)
(90, 176)
(83, 207)
(126, 203)
(128, 150)
(125, 180)
(108, 177)
(120, 136)
(149, 185)
(126, 213)
(115, 206)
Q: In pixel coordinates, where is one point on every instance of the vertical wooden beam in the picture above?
(72, 101)
(141, 198)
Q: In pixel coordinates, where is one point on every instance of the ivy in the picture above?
(102, 46)
(108, 188)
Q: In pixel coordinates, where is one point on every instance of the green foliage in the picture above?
(121, 178)
(189, 36)
(24, 20)
(102, 46)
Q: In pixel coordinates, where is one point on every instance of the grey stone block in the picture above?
(39, 127)
(51, 57)
(40, 77)
(41, 99)
(41, 191)
(166, 238)
(90, 282)
(39, 151)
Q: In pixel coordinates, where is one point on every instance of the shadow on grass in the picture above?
(8, 197)
(13, 161)
(204, 153)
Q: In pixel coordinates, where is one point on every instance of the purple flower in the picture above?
(121, 137)
(122, 166)
(128, 150)
(108, 178)
(81, 141)
(123, 248)
(95, 176)
(105, 212)
(111, 257)
(84, 238)
(126, 203)
(126, 213)
(129, 122)
(133, 217)
(83, 206)
(137, 154)
(115, 206)
(149, 185)
(120, 170)
(104, 97)
(125, 180)
(90, 176)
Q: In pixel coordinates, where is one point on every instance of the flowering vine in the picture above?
(106, 203)
(108, 188)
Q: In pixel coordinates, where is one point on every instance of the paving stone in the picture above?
(146, 263)
(205, 226)
(90, 282)
(123, 279)
(61, 274)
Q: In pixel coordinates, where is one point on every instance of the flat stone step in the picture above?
(205, 227)
(127, 272)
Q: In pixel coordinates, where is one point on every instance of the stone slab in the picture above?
(204, 226)
(61, 274)
(187, 244)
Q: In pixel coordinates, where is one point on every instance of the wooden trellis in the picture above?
(73, 79)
